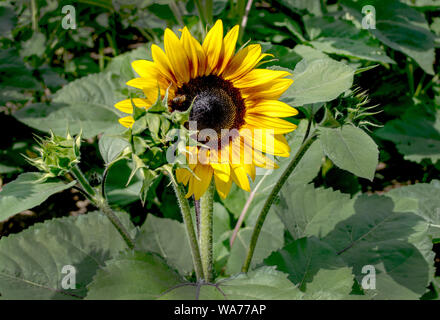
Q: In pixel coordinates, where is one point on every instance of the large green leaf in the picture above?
(366, 230)
(31, 262)
(399, 27)
(416, 134)
(25, 193)
(264, 283)
(304, 258)
(426, 200)
(351, 149)
(330, 285)
(85, 104)
(306, 211)
(134, 276)
(167, 238)
(121, 65)
(146, 276)
(343, 38)
(318, 80)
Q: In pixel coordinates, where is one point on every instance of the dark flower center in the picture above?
(217, 104)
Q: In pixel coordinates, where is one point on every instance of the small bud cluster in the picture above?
(57, 155)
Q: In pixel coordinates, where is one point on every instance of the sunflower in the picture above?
(233, 101)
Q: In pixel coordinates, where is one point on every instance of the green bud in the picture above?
(57, 155)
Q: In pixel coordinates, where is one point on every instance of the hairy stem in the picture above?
(99, 201)
(264, 211)
(206, 211)
(187, 219)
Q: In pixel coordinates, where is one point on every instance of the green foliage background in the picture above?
(365, 193)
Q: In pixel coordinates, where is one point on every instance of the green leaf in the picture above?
(426, 200)
(25, 193)
(343, 38)
(14, 75)
(31, 262)
(8, 20)
(167, 238)
(36, 45)
(121, 64)
(117, 191)
(284, 56)
(304, 258)
(318, 80)
(85, 104)
(306, 211)
(351, 149)
(312, 6)
(264, 283)
(134, 276)
(399, 27)
(330, 285)
(366, 230)
(111, 147)
(416, 134)
(121, 279)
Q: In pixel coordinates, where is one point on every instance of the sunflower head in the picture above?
(232, 104)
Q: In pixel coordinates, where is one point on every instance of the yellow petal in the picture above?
(162, 63)
(204, 173)
(278, 126)
(250, 170)
(145, 68)
(229, 44)
(195, 53)
(222, 171)
(259, 77)
(143, 83)
(222, 187)
(271, 108)
(177, 56)
(240, 178)
(213, 46)
(270, 91)
(183, 175)
(263, 161)
(127, 107)
(244, 61)
(127, 121)
(265, 141)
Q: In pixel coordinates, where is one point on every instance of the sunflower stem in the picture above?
(206, 211)
(244, 20)
(176, 12)
(100, 202)
(265, 210)
(199, 6)
(187, 219)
